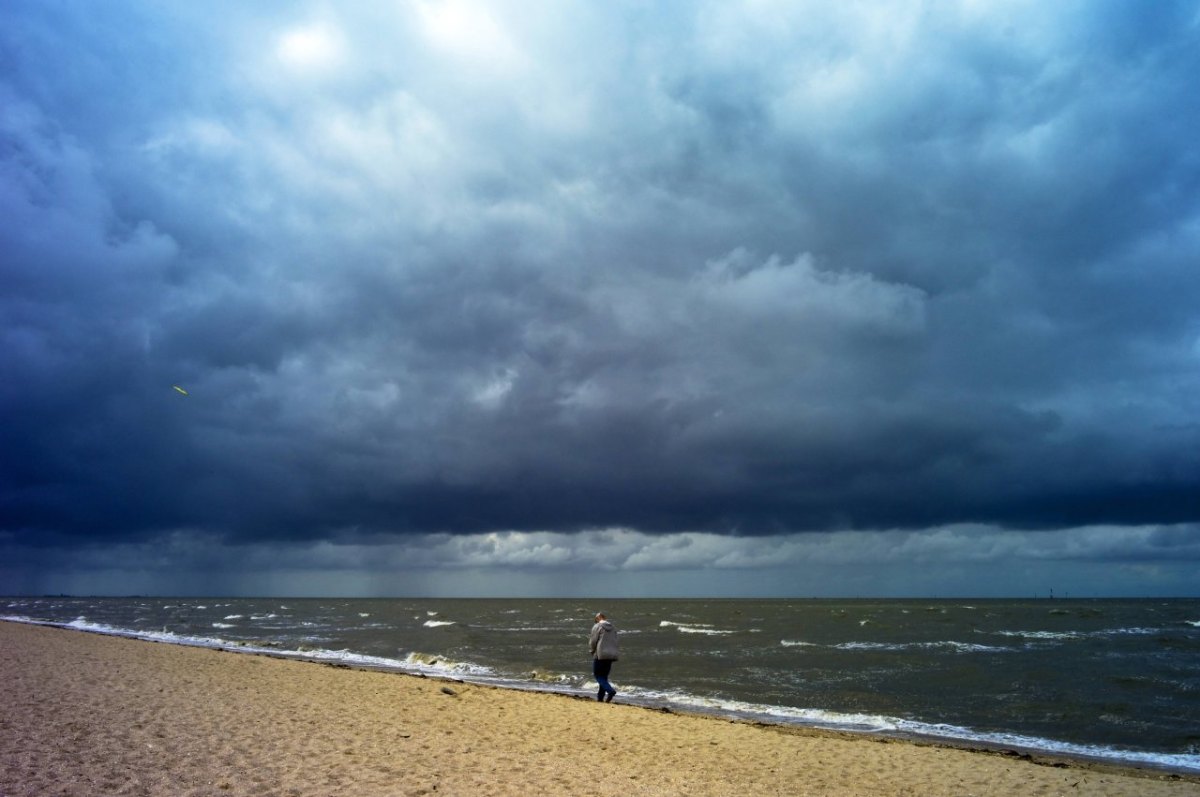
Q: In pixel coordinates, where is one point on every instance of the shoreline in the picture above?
(94, 713)
(1019, 747)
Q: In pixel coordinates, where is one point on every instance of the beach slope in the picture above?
(85, 714)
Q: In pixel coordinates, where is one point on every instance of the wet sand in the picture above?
(85, 714)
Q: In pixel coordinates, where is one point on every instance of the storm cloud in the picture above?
(733, 271)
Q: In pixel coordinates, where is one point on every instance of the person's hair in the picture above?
(600, 616)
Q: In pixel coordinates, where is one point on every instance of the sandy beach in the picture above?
(85, 714)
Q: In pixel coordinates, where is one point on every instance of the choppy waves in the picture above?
(413, 663)
(696, 628)
(798, 661)
(896, 726)
(947, 645)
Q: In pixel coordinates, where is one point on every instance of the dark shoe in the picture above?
(611, 695)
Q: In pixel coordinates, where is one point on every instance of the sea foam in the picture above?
(695, 628)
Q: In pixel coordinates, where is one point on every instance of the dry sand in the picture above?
(84, 714)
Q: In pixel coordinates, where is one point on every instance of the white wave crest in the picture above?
(1058, 635)
(437, 623)
(695, 628)
(434, 664)
(957, 647)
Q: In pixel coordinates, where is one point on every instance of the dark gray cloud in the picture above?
(745, 270)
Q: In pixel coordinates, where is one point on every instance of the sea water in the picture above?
(1115, 680)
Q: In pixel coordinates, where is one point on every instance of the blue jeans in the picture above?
(600, 669)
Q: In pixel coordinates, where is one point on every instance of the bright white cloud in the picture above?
(472, 33)
(803, 294)
(310, 48)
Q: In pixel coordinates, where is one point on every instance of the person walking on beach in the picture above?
(603, 644)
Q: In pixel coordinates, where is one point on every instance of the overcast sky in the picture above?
(600, 298)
